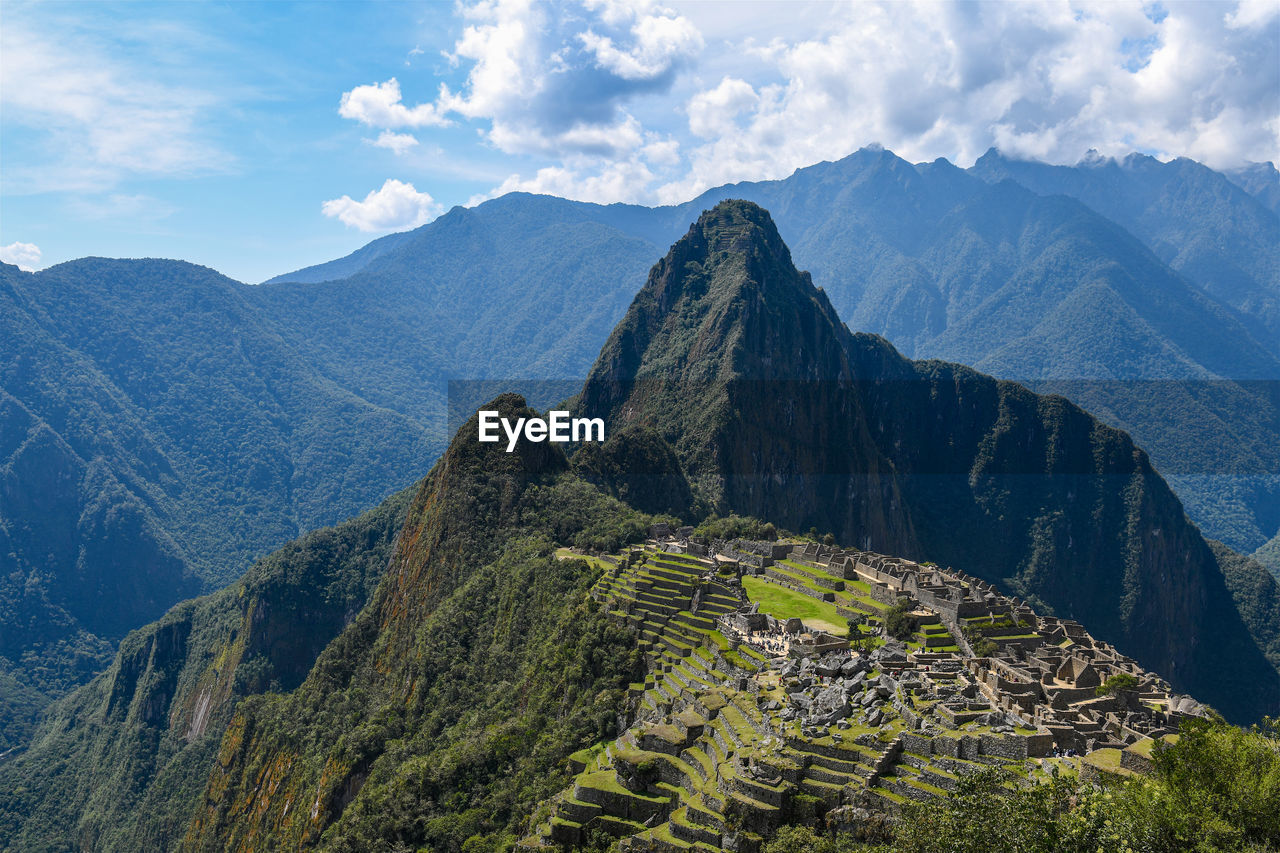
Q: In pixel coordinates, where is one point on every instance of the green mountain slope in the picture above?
(120, 763)
(1195, 219)
(157, 434)
(1269, 555)
(520, 287)
(474, 671)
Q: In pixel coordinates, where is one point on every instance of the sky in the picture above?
(261, 137)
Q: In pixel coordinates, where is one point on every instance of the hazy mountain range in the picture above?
(162, 425)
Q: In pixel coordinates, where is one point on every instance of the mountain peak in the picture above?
(726, 302)
(733, 224)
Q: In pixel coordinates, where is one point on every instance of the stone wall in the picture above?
(884, 594)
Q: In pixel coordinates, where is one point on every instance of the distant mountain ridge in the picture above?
(1196, 220)
(1260, 180)
(1039, 288)
(345, 266)
(234, 417)
(156, 434)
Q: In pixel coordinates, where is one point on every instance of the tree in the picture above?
(985, 647)
(1216, 788)
(802, 839)
(1116, 683)
(898, 621)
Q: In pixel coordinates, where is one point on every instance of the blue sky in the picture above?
(259, 137)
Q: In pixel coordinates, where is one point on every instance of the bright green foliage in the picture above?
(803, 839)
(1216, 788)
(1119, 681)
(735, 527)
(1058, 816)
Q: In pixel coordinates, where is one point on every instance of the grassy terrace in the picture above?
(1146, 746)
(691, 708)
(1108, 761)
(566, 554)
(854, 591)
(783, 603)
(802, 569)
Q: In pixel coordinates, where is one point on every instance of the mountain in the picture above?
(443, 710)
(1260, 180)
(776, 410)
(198, 423)
(429, 650)
(120, 763)
(156, 434)
(521, 287)
(1269, 555)
(165, 425)
(967, 266)
(1195, 219)
(1221, 232)
(1045, 291)
(345, 266)
(439, 713)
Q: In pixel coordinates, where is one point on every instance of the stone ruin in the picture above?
(745, 712)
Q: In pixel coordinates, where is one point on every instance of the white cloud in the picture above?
(659, 42)
(714, 112)
(1252, 13)
(1048, 80)
(397, 142)
(104, 117)
(662, 152)
(614, 100)
(379, 105)
(552, 81)
(394, 207)
(26, 256)
(617, 181)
